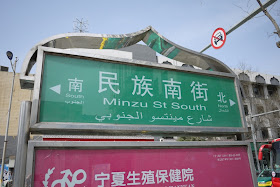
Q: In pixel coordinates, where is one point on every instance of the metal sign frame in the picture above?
(101, 129)
(36, 145)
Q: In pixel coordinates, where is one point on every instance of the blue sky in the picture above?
(187, 23)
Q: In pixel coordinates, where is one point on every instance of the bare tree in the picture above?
(247, 9)
(277, 32)
(245, 68)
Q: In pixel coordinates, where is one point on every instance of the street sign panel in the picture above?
(147, 164)
(218, 38)
(96, 91)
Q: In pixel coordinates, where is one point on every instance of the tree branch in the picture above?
(270, 17)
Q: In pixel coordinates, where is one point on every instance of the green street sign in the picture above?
(81, 90)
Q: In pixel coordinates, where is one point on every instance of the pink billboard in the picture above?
(176, 167)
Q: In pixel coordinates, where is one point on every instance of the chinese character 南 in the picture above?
(118, 179)
(108, 78)
(221, 97)
(199, 91)
(172, 88)
(76, 85)
(102, 177)
(142, 85)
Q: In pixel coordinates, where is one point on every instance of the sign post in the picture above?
(84, 94)
(140, 97)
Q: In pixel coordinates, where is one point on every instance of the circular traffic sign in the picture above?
(218, 38)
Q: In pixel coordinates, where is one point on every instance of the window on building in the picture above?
(260, 109)
(258, 90)
(242, 94)
(4, 68)
(249, 133)
(246, 111)
(246, 90)
(272, 90)
(264, 133)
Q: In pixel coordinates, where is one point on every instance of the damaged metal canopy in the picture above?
(106, 41)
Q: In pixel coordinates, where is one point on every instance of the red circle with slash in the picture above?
(218, 38)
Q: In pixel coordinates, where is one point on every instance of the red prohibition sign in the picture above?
(218, 38)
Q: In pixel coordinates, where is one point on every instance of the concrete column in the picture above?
(272, 133)
(265, 91)
(255, 122)
(23, 137)
(259, 135)
(278, 90)
(250, 89)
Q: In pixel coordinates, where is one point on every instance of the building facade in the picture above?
(261, 94)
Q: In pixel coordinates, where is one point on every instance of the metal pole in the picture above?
(261, 114)
(268, 3)
(255, 146)
(8, 122)
(22, 143)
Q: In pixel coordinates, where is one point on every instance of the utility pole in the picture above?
(250, 16)
(10, 57)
